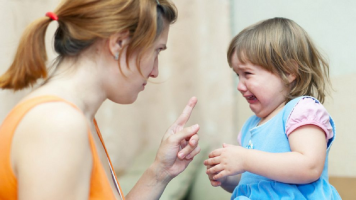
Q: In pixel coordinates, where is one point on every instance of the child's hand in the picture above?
(213, 182)
(226, 161)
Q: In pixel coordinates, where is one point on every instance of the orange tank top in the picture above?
(99, 184)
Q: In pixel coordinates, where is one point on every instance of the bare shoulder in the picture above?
(55, 120)
(56, 113)
(52, 137)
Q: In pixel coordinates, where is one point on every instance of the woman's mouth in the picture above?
(143, 86)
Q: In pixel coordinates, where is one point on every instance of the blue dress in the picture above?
(253, 186)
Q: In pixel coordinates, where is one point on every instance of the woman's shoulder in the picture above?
(51, 125)
(52, 137)
(52, 118)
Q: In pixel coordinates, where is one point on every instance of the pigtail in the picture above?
(29, 63)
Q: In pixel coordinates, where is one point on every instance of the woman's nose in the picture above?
(154, 72)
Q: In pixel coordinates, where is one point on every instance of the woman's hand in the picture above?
(178, 146)
(223, 162)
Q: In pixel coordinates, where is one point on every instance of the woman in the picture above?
(50, 144)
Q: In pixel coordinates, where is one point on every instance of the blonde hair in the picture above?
(282, 47)
(81, 24)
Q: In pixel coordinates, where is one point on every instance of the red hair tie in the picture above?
(52, 16)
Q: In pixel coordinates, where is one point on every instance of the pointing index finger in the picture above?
(184, 117)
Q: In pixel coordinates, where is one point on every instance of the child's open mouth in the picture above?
(251, 98)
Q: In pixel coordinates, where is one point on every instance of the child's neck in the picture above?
(272, 114)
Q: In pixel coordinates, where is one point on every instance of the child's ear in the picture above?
(118, 41)
(292, 76)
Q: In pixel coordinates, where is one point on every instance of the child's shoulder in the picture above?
(303, 104)
(308, 110)
(304, 99)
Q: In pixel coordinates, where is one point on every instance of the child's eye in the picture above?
(248, 73)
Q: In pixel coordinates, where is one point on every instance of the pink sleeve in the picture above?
(309, 112)
(239, 138)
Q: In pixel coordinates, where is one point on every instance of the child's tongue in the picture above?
(252, 97)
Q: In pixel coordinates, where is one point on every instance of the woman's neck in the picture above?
(79, 84)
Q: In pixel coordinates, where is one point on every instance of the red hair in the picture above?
(82, 23)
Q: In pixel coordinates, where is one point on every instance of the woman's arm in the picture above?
(50, 154)
(304, 164)
(178, 147)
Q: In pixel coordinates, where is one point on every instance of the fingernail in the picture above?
(181, 155)
(196, 126)
(193, 142)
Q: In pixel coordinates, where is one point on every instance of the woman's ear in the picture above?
(117, 42)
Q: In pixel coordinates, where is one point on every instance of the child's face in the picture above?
(263, 90)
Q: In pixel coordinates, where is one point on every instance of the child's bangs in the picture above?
(251, 47)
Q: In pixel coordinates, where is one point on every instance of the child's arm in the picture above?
(304, 164)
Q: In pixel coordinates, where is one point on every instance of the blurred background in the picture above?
(195, 64)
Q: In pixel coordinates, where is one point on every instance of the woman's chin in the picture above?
(128, 100)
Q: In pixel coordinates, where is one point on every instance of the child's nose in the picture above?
(241, 86)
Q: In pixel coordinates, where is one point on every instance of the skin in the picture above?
(53, 160)
(304, 164)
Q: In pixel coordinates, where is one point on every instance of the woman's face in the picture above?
(126, 85)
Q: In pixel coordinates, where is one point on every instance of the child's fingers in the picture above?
(220, 175)
(215, 183)
(215, 169)
(216, 152)
(212, 161)
(227, 145)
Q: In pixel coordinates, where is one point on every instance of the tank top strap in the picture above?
(113, 174)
